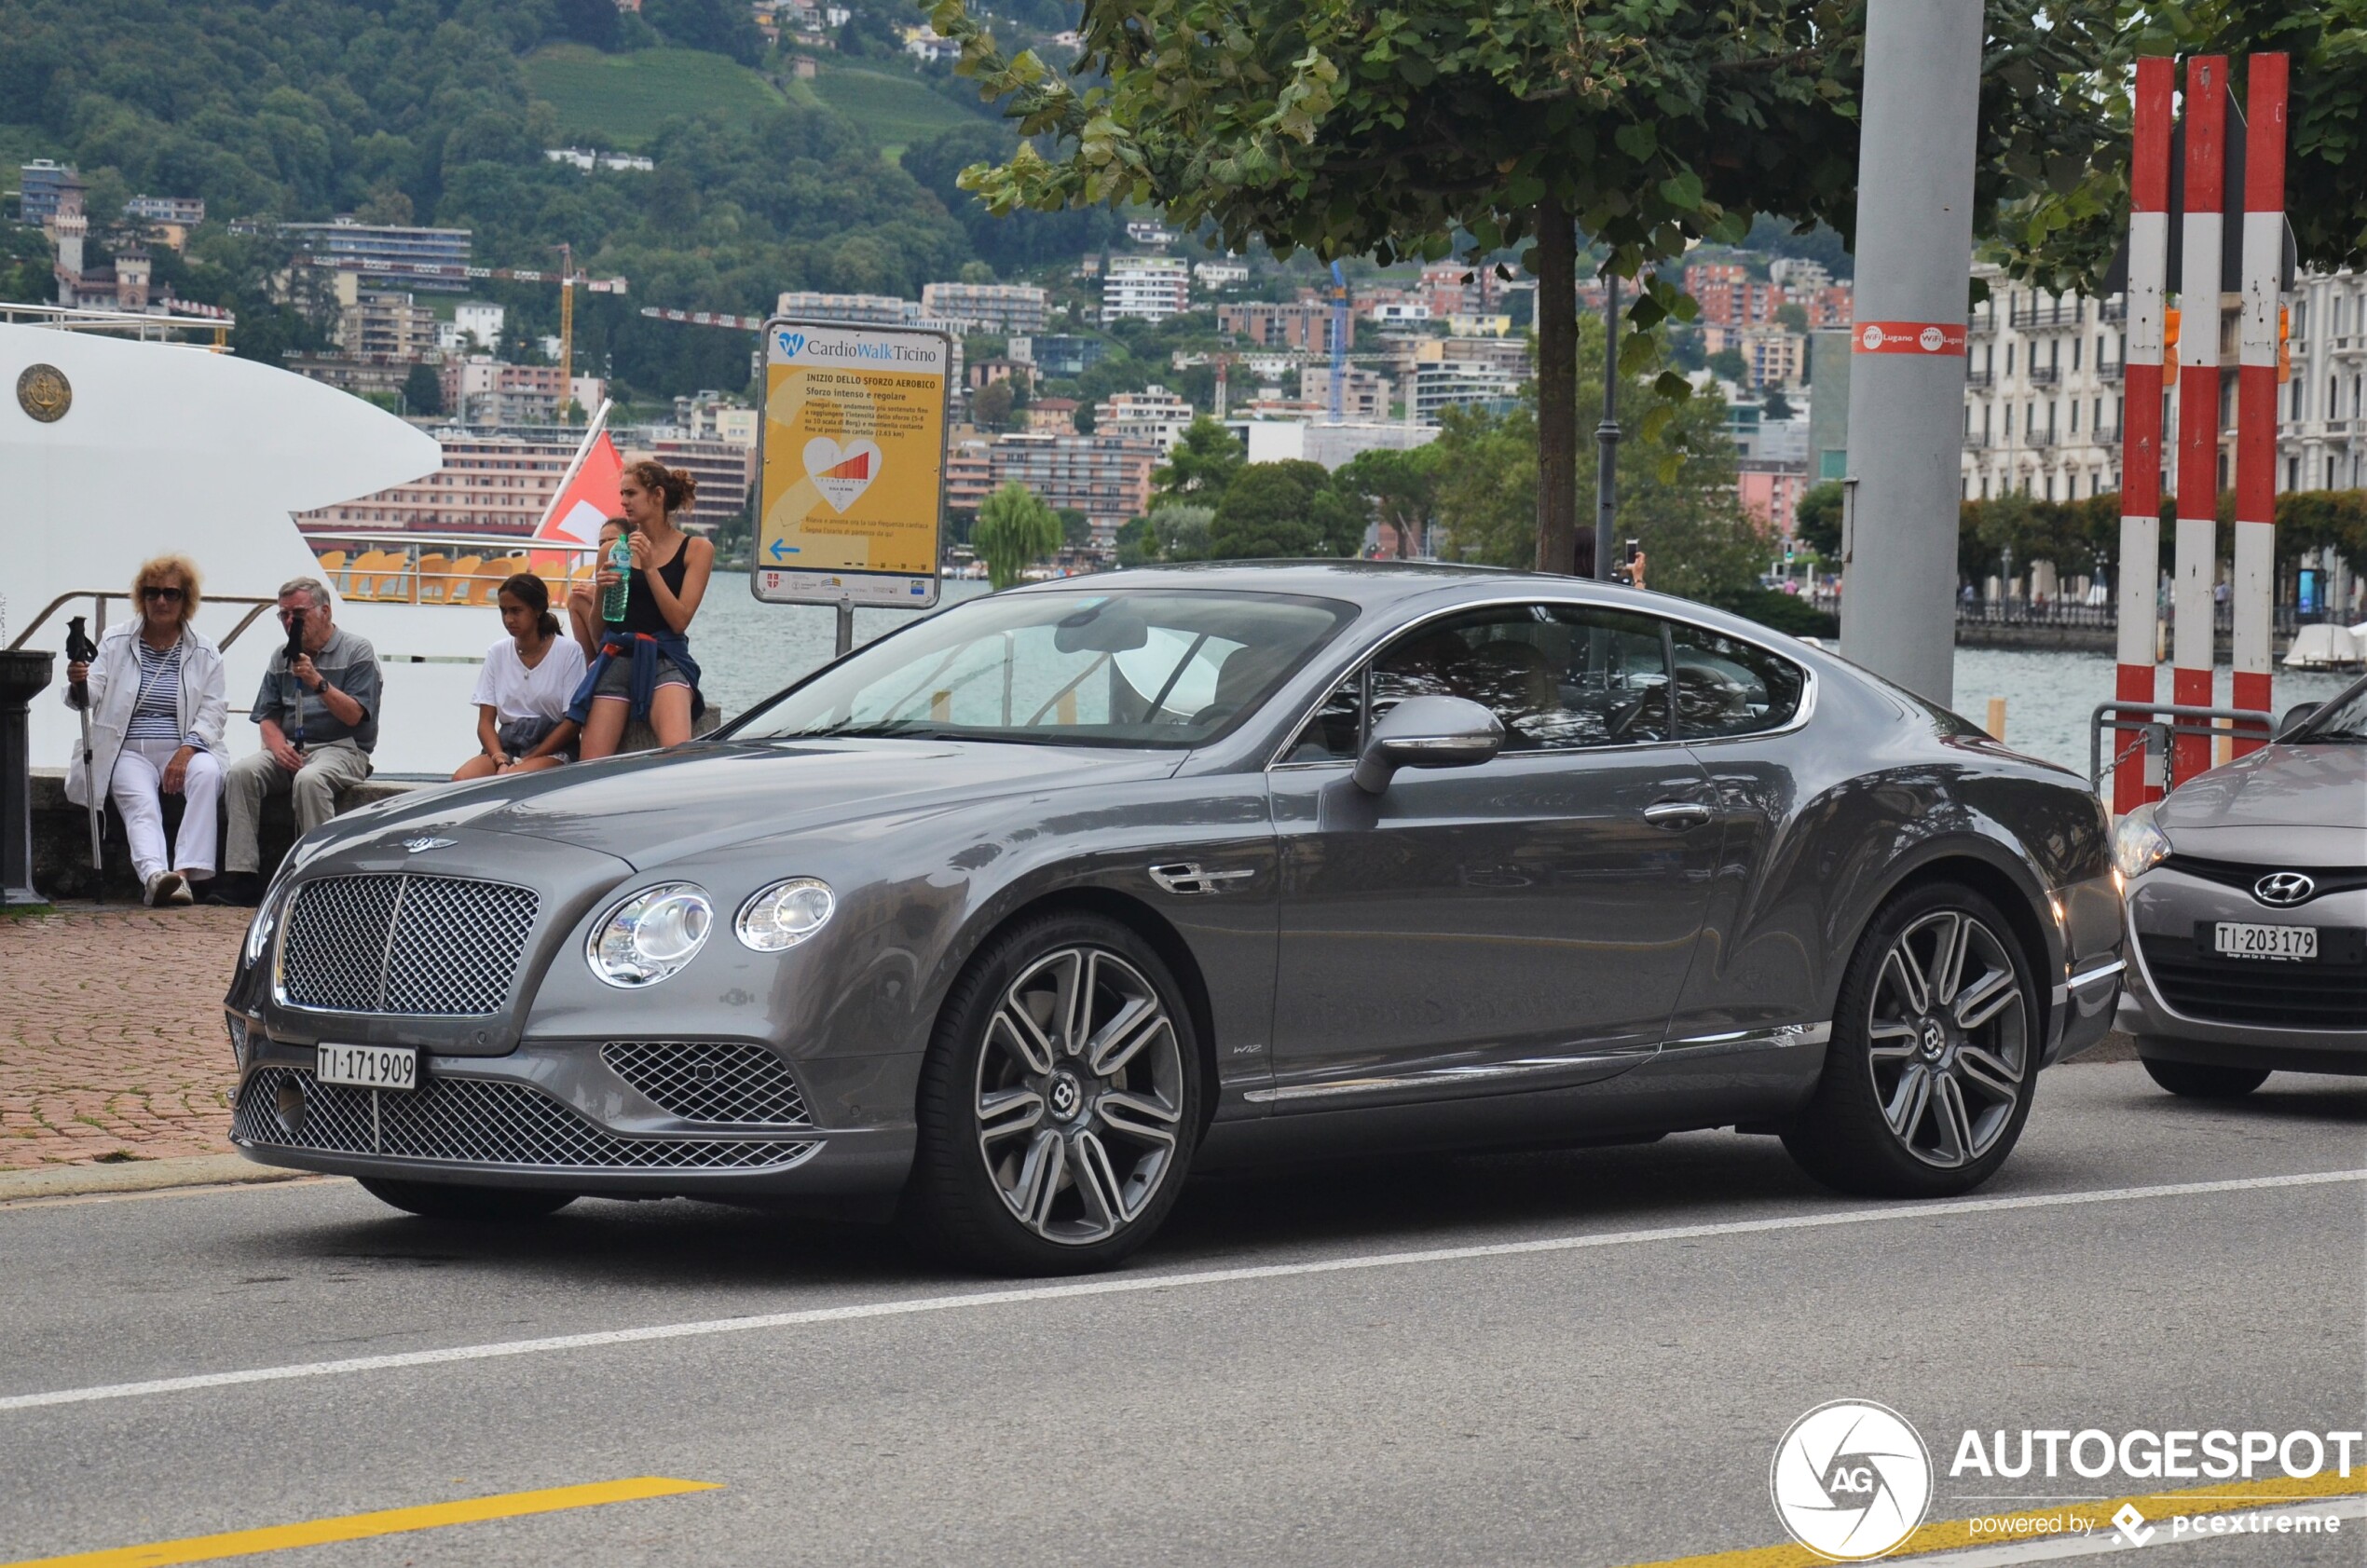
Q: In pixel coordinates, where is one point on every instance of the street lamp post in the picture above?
(1606, 433)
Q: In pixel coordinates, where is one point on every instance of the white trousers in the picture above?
(137, 789)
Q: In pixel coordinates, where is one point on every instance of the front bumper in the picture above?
(557, 1114)
(2185, 1006)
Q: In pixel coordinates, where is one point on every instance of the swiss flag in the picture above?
(590, 498)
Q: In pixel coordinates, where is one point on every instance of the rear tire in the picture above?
(2201, 1080)
(482, 1205)
(1059, 1104)
(1934, 1059)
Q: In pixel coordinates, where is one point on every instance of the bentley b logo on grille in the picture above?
(422, 845)
(2283, 887)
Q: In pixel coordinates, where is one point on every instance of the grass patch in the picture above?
(896, 111)
(626, 97)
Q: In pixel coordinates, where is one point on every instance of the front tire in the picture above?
(1059, 1104)
(1935, 1053)
(479, 1206)
(2201, 1080)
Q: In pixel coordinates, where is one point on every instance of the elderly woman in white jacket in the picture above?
(157, 698)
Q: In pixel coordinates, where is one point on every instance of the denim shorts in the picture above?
(616, 679)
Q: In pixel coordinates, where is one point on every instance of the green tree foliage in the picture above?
(2068, 229)
(1014, 531)
(1400, 488)
(1202, 466)
(714, 25)
(2082, 537)
(1393, 131)
(1777, 405)
(26, 266)
(1016, 241)
(991, 405)
(1675, 486)
(1816, 519)
(1076, 529)
(423, 392)
(1729, 363)
(588, 21)
(1288, 510)
(296, 110)
(1173, 531)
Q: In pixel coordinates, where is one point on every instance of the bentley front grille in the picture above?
(710, 1080)
(472, 1121)
(404, 944)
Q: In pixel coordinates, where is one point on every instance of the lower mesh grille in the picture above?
(2331, 996)
(472, 1121)
(710, 1080)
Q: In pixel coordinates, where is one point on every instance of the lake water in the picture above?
(748, 651)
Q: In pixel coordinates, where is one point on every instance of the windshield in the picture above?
(1160, 668)
(2344, 720)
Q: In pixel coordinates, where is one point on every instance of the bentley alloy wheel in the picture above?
(1058, 1103)
(1927, 1080)
(1079, 1094)
(1947, 1039)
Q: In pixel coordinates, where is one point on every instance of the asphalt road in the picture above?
(1611, 1396)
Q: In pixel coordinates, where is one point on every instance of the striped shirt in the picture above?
(156, 714)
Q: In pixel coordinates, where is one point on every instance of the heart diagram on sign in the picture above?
(841, 472)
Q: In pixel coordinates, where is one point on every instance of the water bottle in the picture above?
(613, 598)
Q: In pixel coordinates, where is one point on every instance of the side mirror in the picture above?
(2295, 716)
(1428, 733)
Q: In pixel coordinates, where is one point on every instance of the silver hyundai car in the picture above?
(1007, 922)
(2247, 897)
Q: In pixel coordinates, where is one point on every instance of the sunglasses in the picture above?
(169, 593)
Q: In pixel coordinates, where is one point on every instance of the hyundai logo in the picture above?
(422, 845)
(2283, 887)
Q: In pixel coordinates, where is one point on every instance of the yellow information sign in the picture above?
(851, 492)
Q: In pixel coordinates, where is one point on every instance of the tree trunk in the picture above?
(1555, 266)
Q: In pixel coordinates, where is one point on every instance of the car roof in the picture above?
(1384, 584)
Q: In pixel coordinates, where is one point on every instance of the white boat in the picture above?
(164, 447)
(2326, 647)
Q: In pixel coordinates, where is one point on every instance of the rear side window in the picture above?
(1726, 687)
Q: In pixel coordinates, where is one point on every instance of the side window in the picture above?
(1334, 731)
(1725, 686)
(1559, 676)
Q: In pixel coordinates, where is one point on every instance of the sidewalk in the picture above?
(111, 1045)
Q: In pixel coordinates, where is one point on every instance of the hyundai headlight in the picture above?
(784, 914)
(651, 935)
(2138, 845)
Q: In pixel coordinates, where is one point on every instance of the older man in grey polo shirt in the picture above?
(318, 715)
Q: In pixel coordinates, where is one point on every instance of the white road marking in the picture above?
(2110, 1540)
(1131, 1283)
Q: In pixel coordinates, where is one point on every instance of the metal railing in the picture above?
(2157, 739)
(100, 598)
(2057, 314)
(2111, 371)
(2283, 619)
(395, 568)
(2045, 376)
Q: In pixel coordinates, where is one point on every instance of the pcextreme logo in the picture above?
(1851, 1479)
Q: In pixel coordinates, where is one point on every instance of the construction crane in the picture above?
(1339, 342)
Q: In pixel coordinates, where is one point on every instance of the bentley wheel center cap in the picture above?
(1067, 1096)
(1934, 1039)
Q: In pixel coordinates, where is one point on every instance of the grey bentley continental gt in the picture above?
(1008, 921)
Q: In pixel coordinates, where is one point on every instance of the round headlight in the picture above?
(2138, 845)
(651, 935)
(784, 914)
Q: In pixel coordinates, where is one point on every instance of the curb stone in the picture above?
(137, 1176)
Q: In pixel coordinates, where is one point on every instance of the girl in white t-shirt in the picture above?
(522, 692)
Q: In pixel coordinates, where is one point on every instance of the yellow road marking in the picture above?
(1949, 1534)
(357, 1527)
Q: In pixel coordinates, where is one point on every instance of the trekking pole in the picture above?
(80, 650)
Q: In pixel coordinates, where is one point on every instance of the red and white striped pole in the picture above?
(2140, 459)
(2254, 595)
(2190, 634)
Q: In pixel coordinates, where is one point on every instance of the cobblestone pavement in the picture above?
(111, 1037)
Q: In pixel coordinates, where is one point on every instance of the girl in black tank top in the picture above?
(668, 579)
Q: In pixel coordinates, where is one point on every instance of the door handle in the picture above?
(1675, 815)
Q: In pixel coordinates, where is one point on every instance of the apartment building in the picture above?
(1002, 308)
(1153, 414)
(488, 485)
(1302, 324)
(388, 327)
(480, 390)
(2323, 425)
(1364, 394)
(725, 471)
(1107, 477)
(969, 475)
(1146, 288)
(2042, 393)
(876, 311)
(423, 258)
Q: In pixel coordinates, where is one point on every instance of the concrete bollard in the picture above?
(1996, 718)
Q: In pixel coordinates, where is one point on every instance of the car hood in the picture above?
(2275, 786)
(655, 808)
